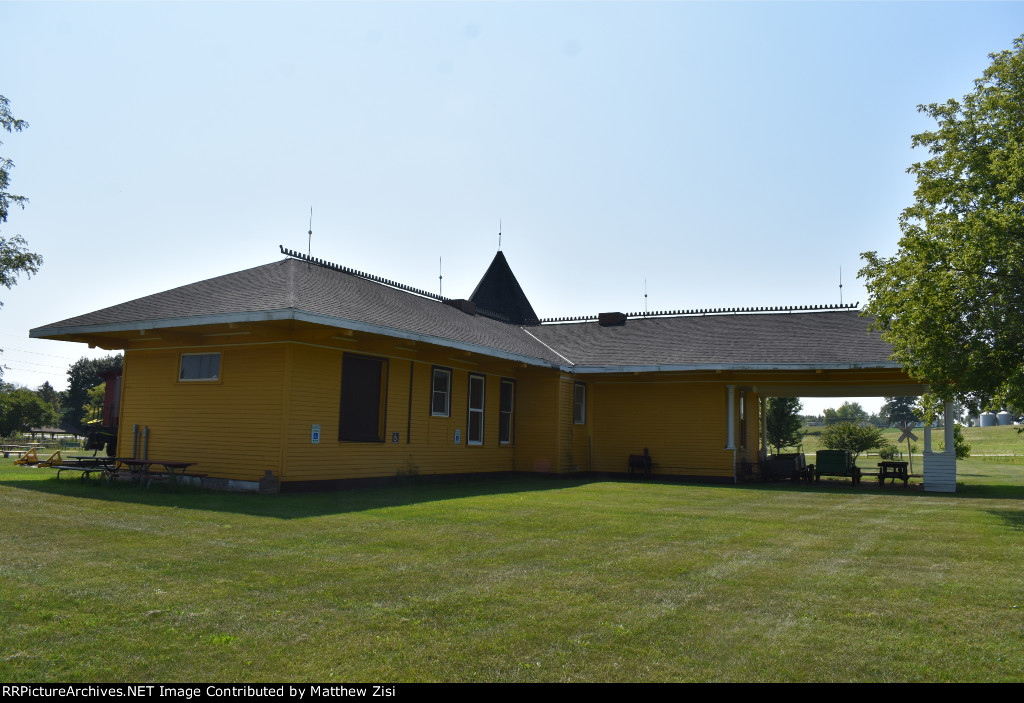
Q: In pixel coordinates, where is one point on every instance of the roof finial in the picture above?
(309, 244)
(440, 290)
(840, 285)
(499, 234)
(645, 297)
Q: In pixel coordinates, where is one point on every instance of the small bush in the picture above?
(889, 452)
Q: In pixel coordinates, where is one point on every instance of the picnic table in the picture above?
(146, 469)
(892, 470)
(9, 449)
(88, 465)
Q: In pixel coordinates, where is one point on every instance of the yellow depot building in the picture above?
(325, 376)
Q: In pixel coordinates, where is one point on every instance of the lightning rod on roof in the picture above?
(309, 244)
(840, 285)
(645, 297)
(440, 290)
(499, 234)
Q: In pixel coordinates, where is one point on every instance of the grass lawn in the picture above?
(523, 579)
(997, 441)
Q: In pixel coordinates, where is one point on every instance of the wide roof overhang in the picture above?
(206, 328)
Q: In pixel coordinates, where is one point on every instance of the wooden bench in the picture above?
(9, 449)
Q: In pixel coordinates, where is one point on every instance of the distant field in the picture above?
(519, 579)
(1000, 441)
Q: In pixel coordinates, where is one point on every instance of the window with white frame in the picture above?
(199, 367)
(475, 419)
(441, 392)
(579, 403)
(506, 411)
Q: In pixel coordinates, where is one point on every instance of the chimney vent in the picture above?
(611, 319)
(466, 306)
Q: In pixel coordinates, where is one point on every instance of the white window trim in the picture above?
(471, 409)
(583, 407)
(511, 413)
(447, 395)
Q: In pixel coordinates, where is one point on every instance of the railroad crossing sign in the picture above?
(908, 434)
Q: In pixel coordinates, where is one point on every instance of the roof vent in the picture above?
(466, 306)
(611, 319)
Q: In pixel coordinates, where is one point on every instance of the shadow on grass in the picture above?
(1013, 518)
(291, 506)
(914, 490)
(412, 491)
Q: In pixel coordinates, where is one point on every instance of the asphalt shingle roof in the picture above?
(296, 285)
(836, 337)
(806, 338)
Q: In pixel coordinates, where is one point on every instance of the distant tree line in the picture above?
(24, 408)
(896, 410)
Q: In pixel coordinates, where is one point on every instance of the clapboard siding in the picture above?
(537, 421)
(682, 424)
(566, 455)
(259, 416)
(426, 444)
(230, 427)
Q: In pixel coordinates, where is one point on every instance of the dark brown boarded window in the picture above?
(506, 411)
(363, 393)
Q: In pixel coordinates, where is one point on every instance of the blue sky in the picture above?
(728, 154)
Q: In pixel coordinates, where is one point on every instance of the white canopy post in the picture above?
(940, 467)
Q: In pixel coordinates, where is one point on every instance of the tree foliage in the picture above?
(47, 393)
(83, 376)
(847, 412)
(10, 124)
(899, 409)
(852, 437)
(960, 445)
(951, 300)
(783, 423)
(22, 409)
(15, 258)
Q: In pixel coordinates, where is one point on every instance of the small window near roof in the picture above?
(579, 404)
(441, 392)
(199, 367)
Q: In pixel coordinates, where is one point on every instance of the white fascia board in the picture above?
(830, 366)
(289, 314)
(167, 322)
(426, 338)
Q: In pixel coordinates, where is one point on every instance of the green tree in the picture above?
(847, 412)
(960, 445)
(21, 409)
(783, 423)
(47, 394)
(94, 406)
(15, 258)
(951, 300)
(852, 437)
(898, 409)
(83, 376)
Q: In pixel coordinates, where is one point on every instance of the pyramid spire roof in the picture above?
(498, 292)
